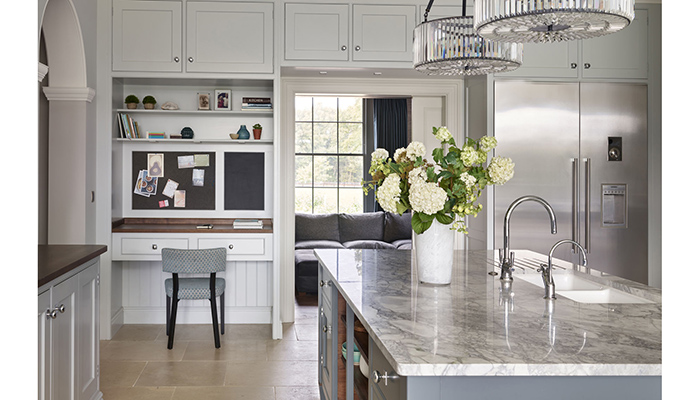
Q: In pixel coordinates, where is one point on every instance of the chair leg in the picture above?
(215, 323)
(167, 315)
(221, 304)
(173, 316)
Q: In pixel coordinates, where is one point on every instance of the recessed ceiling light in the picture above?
(323, 72)
(377, 73)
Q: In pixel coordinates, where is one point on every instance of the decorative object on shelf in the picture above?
(450, 46)
(243, 133)
(233, 135)
(203, 102)
(169, 105)
(187, 133)
(257, 131)
(550, 21)
(256, 103)
(222, 99)
(149, 102)
(131, 101)
(440, 194)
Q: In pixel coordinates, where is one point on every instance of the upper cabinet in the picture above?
(618, 55)
(323, 32)
(220, 37)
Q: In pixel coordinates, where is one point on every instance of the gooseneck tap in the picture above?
(546, 269)
(507, 258)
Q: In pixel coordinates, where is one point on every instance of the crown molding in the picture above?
(69, 94)
(43, 70)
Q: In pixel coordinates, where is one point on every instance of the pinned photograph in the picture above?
(185, 162)
(222, 99)
(197, 177)
(201, 160)
(155, 165)
(163, 203)
(170, 188)
(141, 184)
(180, 198)
(203, 102)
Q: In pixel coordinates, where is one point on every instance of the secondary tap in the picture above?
(507, 258)
(546, 269)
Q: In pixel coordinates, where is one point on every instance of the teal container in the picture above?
(243, 133)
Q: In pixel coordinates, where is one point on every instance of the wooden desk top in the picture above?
(56, 260)
(183, 225)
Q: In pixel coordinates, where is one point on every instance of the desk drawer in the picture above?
(258, 247)
(151, 246)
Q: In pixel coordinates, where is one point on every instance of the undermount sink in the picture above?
(602, 296)
(562, 281)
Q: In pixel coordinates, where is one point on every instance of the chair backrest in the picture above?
(194, 261)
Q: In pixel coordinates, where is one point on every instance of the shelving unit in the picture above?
(361, 339)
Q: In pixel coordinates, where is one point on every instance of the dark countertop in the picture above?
(183, 225)
(56, 260)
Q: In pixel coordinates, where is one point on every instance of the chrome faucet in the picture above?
(507, 258)
(546, 269)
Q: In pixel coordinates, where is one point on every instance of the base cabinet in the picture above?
(68, 339)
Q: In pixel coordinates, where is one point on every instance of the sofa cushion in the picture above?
(363, 226)
(403, 244)
(368, 244)
(318, 244)
(316, 227)
(397, 226)
(306, 271)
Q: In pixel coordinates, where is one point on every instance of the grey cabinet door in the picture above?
(44, 339)
(383, 33)
(64, 340)
(317, 32)
(88, 309)
(147, 36)
(548, 60)
(229, 37)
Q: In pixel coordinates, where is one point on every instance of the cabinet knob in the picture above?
(230, 247)
(190, 59)
(324, 329)
(154, 247)
(376, 377)
(60, 308)
(357, 48)
(177, 59)
(586, 65)
(574, 65)
(321, 284)
(51, 314)
(343, 48)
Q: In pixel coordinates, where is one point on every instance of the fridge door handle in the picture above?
(575, 204)
(587, 221)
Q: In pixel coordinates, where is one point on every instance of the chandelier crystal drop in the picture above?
(546, 21)
(450, 46)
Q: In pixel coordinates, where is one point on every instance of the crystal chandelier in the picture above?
(550, 20)
(450, 46)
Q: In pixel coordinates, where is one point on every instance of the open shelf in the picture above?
(231, 141)
(208, 113)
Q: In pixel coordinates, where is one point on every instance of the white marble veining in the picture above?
(476, 326)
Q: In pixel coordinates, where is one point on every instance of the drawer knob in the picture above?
(190, 59)
(230, 247)
(321, 283)
(357, 48)
(376, 377)
(343, 48)
(60, 308)
(574, 65)
(177, 59)
(586, 65)
(154, 247)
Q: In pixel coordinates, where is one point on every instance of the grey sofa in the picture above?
(374, 230)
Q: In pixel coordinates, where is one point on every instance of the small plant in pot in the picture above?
(149, 102)
(257, 131)
(131, 101)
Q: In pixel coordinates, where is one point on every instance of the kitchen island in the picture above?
(481, 338)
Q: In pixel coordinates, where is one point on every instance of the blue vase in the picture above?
(243, 133)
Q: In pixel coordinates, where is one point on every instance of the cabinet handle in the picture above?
(324, 329)
(321, 284)
(154, 247)
(376, 377)
(343, 48)
(177, 59)
(574, 65)
(357, 48)
(586, 65)
(190, 59)
(60, 308)
(51, 314)
(230, 247)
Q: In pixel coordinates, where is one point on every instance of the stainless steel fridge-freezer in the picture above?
(583, 148)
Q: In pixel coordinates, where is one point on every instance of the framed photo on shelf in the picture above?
(203, 101)
(222, 100)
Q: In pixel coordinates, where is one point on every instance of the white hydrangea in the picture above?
(442, 134)
(415, 150)
(468, 180)
(417, 174)
(487, 143)
(388, 193)
(427, 197)
(399, 154)
(500, 170)
(469, 156)
(379, 155)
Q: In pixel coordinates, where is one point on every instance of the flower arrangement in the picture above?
(443, 190)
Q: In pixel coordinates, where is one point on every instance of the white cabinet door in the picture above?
(147, 36)
(383, 33)
(44, 339)
(548, 60)
(88, 309)
(619, 55)
(316, 32)
(63, 340)
(229, 37)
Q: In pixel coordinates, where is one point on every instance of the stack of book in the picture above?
(128, 127)
(247, 223)
(256, 103)
(156, 135)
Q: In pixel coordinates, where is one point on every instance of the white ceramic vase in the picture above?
(434, 254)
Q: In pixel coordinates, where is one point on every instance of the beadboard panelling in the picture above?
(248, 294)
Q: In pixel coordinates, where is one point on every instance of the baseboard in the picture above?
(198, 315)
(116, 322)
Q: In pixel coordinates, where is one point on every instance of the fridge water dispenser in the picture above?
(614, 205)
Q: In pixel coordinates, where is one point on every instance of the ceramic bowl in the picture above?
(357, 356)
(233, 135)
(364, 368)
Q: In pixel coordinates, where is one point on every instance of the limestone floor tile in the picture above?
(120, 373)
(146, 332)
(272, 373)
(183, 373)
(244, 350)
(288, 331)
(224, 393)
(305, 315)
(292, 350)
(306, 332)
(142, 351)
(137, 393)
(191, 332)
(248, 332)
(298, 393)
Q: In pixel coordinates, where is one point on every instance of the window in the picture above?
(328, 154)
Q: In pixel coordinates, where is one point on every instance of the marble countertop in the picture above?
(477, 327)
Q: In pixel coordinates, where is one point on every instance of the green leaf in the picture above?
(444, 219)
